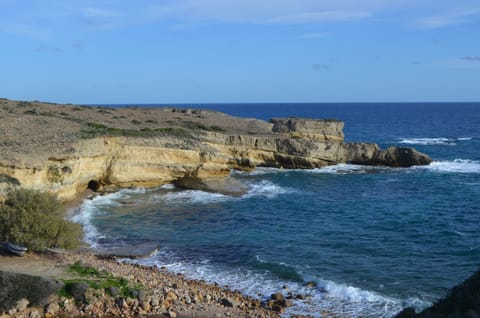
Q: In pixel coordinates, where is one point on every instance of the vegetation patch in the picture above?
(96, 279)
(37, 220)
(5, 178)
(54, 174)
(93, 130)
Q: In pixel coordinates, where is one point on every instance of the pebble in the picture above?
(160, 293)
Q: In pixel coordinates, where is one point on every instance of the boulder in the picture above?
(398, 157)
(14, 287)
(462, 300)
(227, 185)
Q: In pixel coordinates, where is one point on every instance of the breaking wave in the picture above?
(433, 141)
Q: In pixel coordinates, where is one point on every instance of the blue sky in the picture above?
(219, 51)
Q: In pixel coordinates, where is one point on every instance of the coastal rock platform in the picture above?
(65, 149)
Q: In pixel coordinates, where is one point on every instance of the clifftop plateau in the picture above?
(65, 149)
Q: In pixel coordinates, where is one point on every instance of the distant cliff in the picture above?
(65, 149)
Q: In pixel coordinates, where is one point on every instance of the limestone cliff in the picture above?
(65, 149)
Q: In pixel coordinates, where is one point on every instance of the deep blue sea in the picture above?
(373, 239)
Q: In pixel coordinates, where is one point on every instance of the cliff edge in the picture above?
(65, 149)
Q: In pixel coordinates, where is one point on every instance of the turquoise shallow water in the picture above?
(374, 239)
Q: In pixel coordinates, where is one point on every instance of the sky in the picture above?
(238, 51)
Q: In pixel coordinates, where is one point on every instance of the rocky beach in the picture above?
(55, 285)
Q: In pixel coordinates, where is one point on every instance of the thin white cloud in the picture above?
(448, 19)
(319, 17)
(261, 12)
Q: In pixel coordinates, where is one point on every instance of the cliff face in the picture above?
(109, 162)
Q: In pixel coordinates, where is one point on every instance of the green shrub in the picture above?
(37, 220)
(5, 178)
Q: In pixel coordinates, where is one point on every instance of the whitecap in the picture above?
(454, 166)
(92, 208)
(266, 189)
(258, 171)
(191, 197)
(168, 186)
(428, 141)
(336, 298)
(84, 217)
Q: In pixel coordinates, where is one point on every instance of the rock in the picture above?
(311, 284)
(172, 314)
(171, 296)
(129, 251)
(17, 286)
(140, 294)
(226, 185)
(34, 314)
(229, 302)
(278, 308)
(146, 305)
(316, 129)
(52, 308)
(190, 150)
(121, 303)
(408, 312)
(462, 300)
(277, 297)
(155, 302)
(22, 304)
(396, 157)
(113, 291)
(78, 291)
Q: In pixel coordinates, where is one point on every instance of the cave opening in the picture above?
(93, 185)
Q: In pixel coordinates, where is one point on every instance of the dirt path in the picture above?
(32, 264)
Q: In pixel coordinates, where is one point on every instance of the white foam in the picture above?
(191, 197)
(340, 299)
(266, 189)
(84, 217)
(433, 141)
(258, 171)
(454, 166)
(168, 186)
(91, 208)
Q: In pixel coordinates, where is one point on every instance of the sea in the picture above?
(373, 240)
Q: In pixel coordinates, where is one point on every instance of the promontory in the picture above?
(65, 149)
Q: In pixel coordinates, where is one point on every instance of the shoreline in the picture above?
(164, 294)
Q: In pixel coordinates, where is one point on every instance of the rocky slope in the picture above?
(65, 149)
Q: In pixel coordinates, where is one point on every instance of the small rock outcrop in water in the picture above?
(66, 149)
(462, 300)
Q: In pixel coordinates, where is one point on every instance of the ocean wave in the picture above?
(433, 141)
(191, 197)
(454, 166)
(266, 189)
(92, 208)
(336, 298)
(261, 188)
(258, 171)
